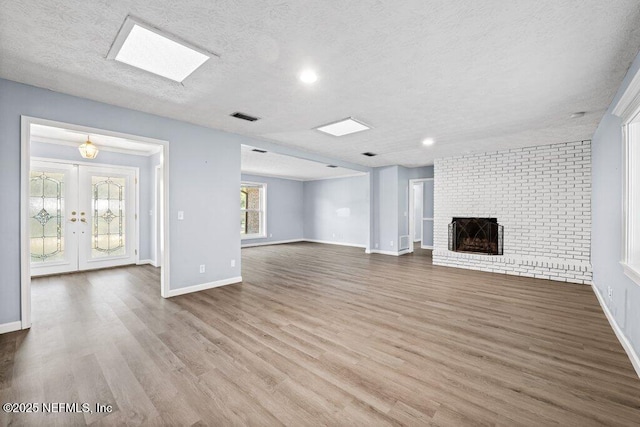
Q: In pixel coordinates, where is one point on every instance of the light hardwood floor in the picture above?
(321, 335)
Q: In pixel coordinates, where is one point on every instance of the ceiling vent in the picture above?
(331, 166)
(244, 116)
(369, 154)
(257, 150)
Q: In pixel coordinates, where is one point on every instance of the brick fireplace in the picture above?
(540, 195)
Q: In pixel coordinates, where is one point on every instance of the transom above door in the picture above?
(81, 217)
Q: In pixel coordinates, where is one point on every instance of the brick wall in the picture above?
(542, 197)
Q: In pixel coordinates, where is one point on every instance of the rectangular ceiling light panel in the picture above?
(343, 127)
(142, 46)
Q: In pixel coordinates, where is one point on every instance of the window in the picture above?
(631, 237)
(253, 202)
(628, 109)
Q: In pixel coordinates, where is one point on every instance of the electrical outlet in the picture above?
(609, 292)
(391, 243)
(233, 263)
(376, 246)
(180, 215)
(270, 234)
(333, 235)
(201, 268)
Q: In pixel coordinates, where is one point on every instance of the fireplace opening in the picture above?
(480, 235)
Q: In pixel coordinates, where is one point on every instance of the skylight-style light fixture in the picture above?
(88, 150)
(343, 127)
(143, 46)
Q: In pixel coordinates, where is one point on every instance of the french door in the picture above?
(81, 217)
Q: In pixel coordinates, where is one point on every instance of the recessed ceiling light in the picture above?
(140, 45)
(257, 150)
(308, 76)
(369, 154)
(331, 166)
(428, 141)
(578, 115)
(343, 127)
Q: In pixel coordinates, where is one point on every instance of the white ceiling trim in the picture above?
(100, 147)
(628, 106)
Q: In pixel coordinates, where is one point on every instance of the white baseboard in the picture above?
(146, 261)
(328, 242)
(204, 286)
(633, 356)
(10, 327)
(277, 242)
(393, 253)
(426, 247)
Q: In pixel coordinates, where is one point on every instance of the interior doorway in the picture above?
(421, 213)
(77, 214)
(82, 217)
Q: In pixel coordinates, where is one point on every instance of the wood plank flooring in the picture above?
(320, 335)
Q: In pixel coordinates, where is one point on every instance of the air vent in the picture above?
(331, 166)
(369, 154)
(259, 151)
(244, 116)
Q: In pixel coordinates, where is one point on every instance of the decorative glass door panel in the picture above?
(107, 199)
(108, 216)
(80, 217)
(53, 240)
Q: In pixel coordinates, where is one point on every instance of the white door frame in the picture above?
(156, 236)
(412, 213)
(25, 169)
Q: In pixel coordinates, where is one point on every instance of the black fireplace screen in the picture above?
(481, 235)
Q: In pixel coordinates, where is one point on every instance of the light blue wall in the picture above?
(145, 184)
(204, 176)
(385, 209)
(337, 210)
(284, 209)
(391, 204)
(606, 231)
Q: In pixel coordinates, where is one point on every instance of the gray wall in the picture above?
(390, 204)
(204, 175)
(606, 229)
(385, 209)
(284, 209)
(145, 184)
(337, 210)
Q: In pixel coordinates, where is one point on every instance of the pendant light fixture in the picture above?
(88, 150)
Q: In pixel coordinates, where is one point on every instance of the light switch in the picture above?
(180, 215)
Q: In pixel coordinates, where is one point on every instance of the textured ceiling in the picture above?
(281, 166)
(474, 75)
